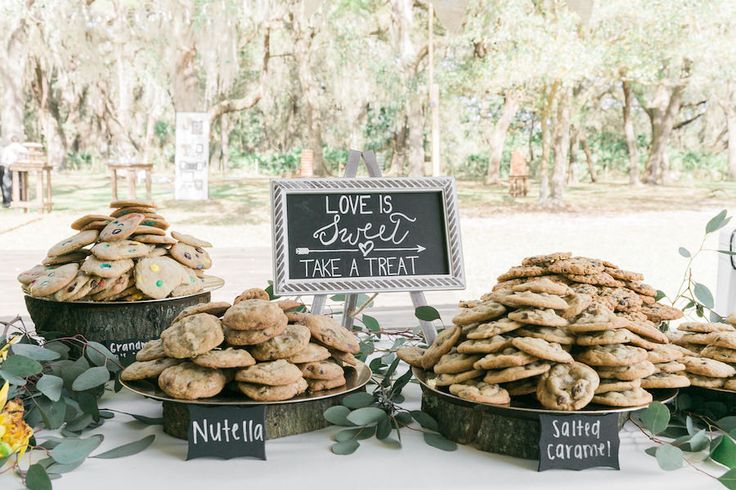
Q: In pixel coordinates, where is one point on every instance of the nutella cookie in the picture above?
(252, 337)
(567, 386)
(274, 373)
(225, 358)
(328, 332)
(311, 353)
(321, 370)
(264, 393)
(254, 314)
(147, 369)
(192, 336)
(217, 308)
(293, 339)
(316, 385)
(478, 391)
(187, 381)
(151, 350)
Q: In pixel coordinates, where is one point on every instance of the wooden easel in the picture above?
(417, 297)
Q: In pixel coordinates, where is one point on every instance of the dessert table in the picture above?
(305, 461)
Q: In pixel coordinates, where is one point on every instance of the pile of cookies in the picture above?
(265, 350)
(712, 362)
(569, 330)
(126, 256)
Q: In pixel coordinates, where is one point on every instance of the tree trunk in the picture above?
(546, 120)
(224, 142)
(13, 57)
(561, 144)
(497, 138)
(588, 155)
(185, 90)
(731, 123)
(403, 18)
(572, 174)
(630, 135)
(662, 118)
(398, 152)
(310, 92)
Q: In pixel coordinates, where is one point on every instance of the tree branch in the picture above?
(243, 103)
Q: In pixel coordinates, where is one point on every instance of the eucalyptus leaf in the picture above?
(669, 457)
(427, 313)
(383, 429)
(425, 420)
(21, 366)
(703, 294)
(404, 418)
(728, 479)
(91, 378)
(80, 423)
(50, 386)
(656, 417)
(127, 449)
(651, 451)
(724, 451)
(370, 323)
(727, 424)
(698, 442)
(358, 400)
(337, 415)
(99, 355)
(366, 416)
(35, 352)
(684, 252)
(58, 468)
(345, 447)
(37, 478)
(53, 413)
(716, 222)
(659, 295)
(346, 434)
(13, 379)
(390, 372)
(439, 441)
(75, 450)
(365, 432)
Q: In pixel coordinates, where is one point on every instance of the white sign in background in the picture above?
(192, 155)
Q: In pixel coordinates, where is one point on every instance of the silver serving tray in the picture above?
(528, 404)
(356, 378)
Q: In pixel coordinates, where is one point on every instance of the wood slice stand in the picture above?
(108, 321)
(495, 430)
(282, 420)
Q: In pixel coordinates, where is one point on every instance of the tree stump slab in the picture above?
(104, 322)
(492, 429)
(286, 419)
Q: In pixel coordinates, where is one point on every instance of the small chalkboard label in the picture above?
(361, 235)
(226, 432)
(577, 442)
(125, 349)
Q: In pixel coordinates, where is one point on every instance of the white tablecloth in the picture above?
(305, 462)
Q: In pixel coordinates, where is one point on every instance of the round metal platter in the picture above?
(721, 390)
(211, 283)
(356, 378)
(528, 405)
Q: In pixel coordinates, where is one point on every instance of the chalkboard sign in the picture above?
(357, 235)
(226, 432)
(577, 442)
(125, 349)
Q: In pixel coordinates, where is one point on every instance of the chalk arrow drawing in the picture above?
(307, 250)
